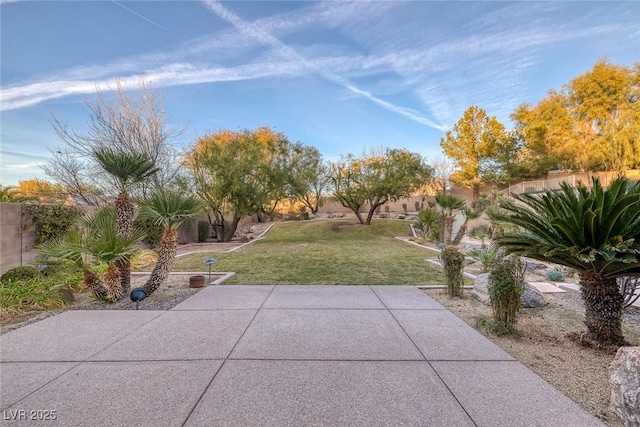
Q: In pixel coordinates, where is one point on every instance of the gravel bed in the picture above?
(171, 293)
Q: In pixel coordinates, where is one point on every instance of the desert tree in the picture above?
(309, 176)
(377, 178)
(238, 174)
(122, 120)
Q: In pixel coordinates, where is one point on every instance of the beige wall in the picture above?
(16, 245)
(17, 242)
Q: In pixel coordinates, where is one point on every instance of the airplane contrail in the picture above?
(137, 14)
(267, 38)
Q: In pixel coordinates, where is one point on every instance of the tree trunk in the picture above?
(229, 233)
(93, 282)
(358, 215)
(603, 308)
(167, 253)
(124, 223)
(460, 234)
(370, 214)
(112, 283)
(448, 229)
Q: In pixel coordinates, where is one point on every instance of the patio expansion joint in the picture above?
(425, 358)
(224, 361)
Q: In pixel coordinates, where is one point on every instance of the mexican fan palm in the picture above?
(595, 231)
(469, 215)
(449, 205)
(129, 170)
(98, 239)
(168, 209)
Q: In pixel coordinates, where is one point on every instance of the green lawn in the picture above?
(326, 252)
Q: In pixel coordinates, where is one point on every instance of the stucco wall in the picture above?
(16, 245)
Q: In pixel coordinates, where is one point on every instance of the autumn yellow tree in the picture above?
(593, 124)
(605, 105)
(473, 145)
(41, 190)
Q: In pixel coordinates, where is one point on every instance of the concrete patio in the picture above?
(271, 356)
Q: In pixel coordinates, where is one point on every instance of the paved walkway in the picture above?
(272, 356)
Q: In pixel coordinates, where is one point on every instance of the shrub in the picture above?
(51, 221)
(506, 286)
(486, 256)
(25, 272)
(204, 231)
(453, 262)
(555, 275)
(64, 272)
(30, 294)
(430, 222)
(481, 232)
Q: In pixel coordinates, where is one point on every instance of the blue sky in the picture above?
(337, 75)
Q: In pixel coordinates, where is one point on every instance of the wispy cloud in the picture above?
(289, 53)
(490, 54)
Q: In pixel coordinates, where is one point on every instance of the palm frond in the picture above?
(127, 168)
(585, 228)
(169, 208)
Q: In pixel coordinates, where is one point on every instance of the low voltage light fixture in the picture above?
(137, 295)
(209, 262)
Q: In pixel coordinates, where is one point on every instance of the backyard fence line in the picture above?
(540, 185)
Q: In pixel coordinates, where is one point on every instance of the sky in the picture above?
(341, 76)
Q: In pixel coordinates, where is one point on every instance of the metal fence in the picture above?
(540, 185)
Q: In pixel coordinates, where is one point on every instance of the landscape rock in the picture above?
(624, 384)
(531, 298)
(479, 291)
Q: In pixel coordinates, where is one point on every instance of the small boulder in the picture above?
(480, 291)
(624, 384)
(531, 298)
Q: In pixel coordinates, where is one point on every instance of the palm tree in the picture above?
(168, 209)
(129, 170)
(482, 232)
(97, 238)
(595, 231)
(469, 214)
(449, 204)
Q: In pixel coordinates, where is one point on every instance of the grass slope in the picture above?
(326, 252)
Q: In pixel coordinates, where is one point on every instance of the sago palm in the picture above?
(128, 169)
(595, 231)
(168, 209)
(98, 239)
